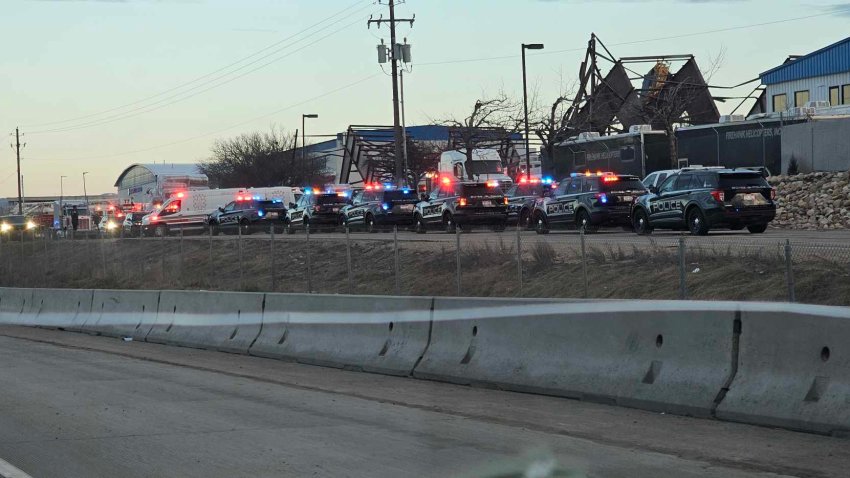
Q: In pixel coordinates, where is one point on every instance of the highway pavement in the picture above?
(74, 405)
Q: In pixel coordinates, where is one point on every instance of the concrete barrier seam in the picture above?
(262, 320)
(155, 316)
(733, 370)
(428, 341)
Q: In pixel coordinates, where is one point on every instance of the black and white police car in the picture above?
(521, 198)
(315, 208)
(379, 205)
(247, 214)
(588, 201)
(455, 205)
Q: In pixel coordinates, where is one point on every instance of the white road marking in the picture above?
(9, 471)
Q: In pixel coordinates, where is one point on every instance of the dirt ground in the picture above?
(488, 268)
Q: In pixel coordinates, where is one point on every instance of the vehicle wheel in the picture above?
(540, 224)
(287, 226)
(757, 228)
(419, 225)
(583, 222)
(499, 227)
(696, 222)
(641, 223)
(449, 224)
(245, 227)
(370, 223)
(524, 219)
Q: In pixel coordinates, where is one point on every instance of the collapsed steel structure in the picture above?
(610, 103)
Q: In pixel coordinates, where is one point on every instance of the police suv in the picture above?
(522, 196)
(453, 205)
(315, 208)
(588, 201)
(247, 214)
(701, 200)
(378, 205)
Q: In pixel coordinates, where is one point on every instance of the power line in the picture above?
(195, 80)
(204, 135)
(182, 96)
(648, 40)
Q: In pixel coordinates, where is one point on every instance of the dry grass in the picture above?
(426, 268)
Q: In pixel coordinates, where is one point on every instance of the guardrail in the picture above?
(783, 365)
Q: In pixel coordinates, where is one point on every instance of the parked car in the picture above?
(703, 200)
(459, 204)
(378, 205)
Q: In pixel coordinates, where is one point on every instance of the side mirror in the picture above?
(423, 197)
(221, 209)
(292, 205)
(653, 190)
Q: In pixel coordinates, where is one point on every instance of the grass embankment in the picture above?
(489, 269)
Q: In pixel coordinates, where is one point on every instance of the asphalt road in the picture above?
(80, 406)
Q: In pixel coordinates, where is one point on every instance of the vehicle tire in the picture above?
(757, 228)
(245, 227)
(449, 224)
(524, 219)
(640, 221)
(696, 222)
(500, 227)
(540, 224)
(287, 226)
(583, 222)
(419, 225)
(369, 222)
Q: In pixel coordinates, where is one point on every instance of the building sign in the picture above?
(134, 190)
(753, 133)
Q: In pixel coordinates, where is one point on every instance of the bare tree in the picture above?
(261, 160)
(552, 125)
(491, 124)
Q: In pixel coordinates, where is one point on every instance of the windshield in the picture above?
(399, 195)
(17, 220)
(326, 199)
(485, 167)
(472, 190)
(742, 180)
(624, 185)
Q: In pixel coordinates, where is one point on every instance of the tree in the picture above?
(422, 157)
(551, 126)
(261, 160)
(491, 124)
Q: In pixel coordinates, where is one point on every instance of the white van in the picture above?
(486, 165)
(189, 210)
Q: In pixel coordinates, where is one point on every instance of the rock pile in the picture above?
(812, 201)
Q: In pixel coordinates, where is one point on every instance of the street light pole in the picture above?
(61, 202)
(304, 139)
(85, 193)
(531, 46)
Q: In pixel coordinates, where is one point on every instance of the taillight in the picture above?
(772, 194)
(602, 197)
(317, 208)
(505, 200)
(385, 206)
(154, 218)
(461, 202)
(718, 195)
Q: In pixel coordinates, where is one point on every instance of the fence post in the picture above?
(309, 265)
(209, 262)
(239, 246)
(396, 261)
(583, 262)
(683, 291)
(348, 260)
(180, 271)
(102, 252)
(162, 259)
(519, 260)
(457, 253)
(789, 272)
(274, 261)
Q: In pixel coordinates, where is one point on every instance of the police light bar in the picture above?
(610, 179)
(492, 183)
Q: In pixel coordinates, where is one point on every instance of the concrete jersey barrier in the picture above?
(13, 304)
(67, 309)
(794, 369)
(123, 313)
(665, 356)
(226, 321)
(375, 334)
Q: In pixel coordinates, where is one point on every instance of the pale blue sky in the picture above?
(66, 59)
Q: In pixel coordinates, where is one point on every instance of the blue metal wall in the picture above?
(830, 60)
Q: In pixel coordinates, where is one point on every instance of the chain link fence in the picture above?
(509, 264)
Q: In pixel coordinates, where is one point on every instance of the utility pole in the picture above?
(18, 154)
(396, 50)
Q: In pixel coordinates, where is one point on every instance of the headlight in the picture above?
(110, 225)
(5, 227)
(30, 225)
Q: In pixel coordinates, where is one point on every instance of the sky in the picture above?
(97, 85)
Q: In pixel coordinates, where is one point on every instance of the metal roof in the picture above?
(164, 170)
(828, 60)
